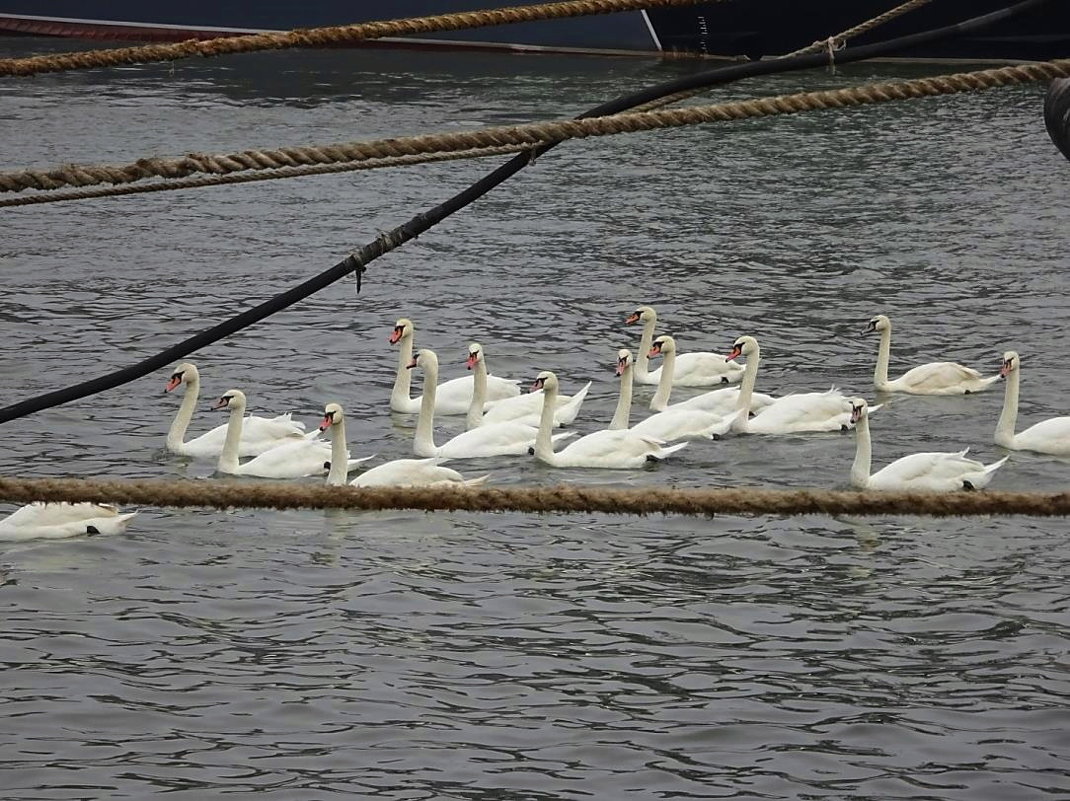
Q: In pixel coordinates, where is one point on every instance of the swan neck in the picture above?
(177, 433)
(623, 413)
(863, 454)
(544, 444)
(424, 443)
(1009, 416)
(746, 390)
(479, 396)
(228, 457)
(884, 355)
(403, 379)
(339, 458)
(661, 398)
(642, 361)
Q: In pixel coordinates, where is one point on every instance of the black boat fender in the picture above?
(1057, 114)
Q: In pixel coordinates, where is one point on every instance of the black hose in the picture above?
(357, 262)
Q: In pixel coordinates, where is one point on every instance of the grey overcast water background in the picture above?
(403, 655)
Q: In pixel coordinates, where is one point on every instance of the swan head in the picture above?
(332, 416)
(545, 381)
(642, 314)
(402, 328)
(624, 361)
(185, 373)
(663, 344)
(475, 354)
(879, 323)
(1011, 362)
(744, 346)
(859, 409)
(425, 360)
(231, 399)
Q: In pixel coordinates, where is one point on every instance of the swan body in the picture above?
(696, 369)
(934, 378)
(1048, 436)
(398, 473)
(302, 457)
(798, 413)
(453, 396)
(723, 402)
(55, 521)
(259, 434)
(934, 472)
(510, 438)
(671, 424)
(608, 448)
(524, 408)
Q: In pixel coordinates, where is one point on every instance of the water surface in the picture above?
(402, 655)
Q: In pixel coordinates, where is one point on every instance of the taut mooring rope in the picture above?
(328, 36)
(646, 501)
(536, 133)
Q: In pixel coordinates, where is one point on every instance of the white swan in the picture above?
(258, 433)
(805, 411)
(302, 457)
(495, 439)
(453, 396)
(397, 473)
(53, 521)
(719, 401)
(525, 408)
(671, 424)
(934, 378)
(617, 449)
(936, 472)
(697, 369)
(1047, 436)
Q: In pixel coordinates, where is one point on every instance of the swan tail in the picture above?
(353, 464)
(475, 482)
(981, 479)
(669, 450)
(567, 414)
(875, 408)
(563, 435)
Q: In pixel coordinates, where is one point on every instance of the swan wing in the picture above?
(293, 459)
(1047, 436)
(673, 424)
(935, 377)
(702, 369)
(807, 411)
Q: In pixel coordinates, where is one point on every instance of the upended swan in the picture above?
(495, 439)
(54, 521)
(934, 378)
(719, 401)
(525, 408)
(801, 412)
(453, 396)
(259, 434)
(696, 369)
(936, 472)
(617, 449)
(302, 457)
(397, 473)
(1048, 436)
(671, 424)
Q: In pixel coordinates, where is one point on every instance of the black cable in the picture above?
(357, 262)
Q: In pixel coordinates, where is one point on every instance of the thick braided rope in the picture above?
(534, 133)
(320, 37)
(651, 500)
(243, 178)
(840, 39)
(834, 42)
